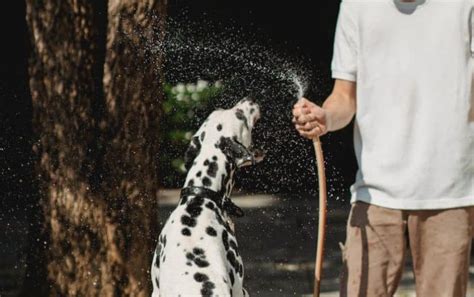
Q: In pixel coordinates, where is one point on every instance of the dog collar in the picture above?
(217, 197)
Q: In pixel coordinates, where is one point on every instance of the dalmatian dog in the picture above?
(197, 252)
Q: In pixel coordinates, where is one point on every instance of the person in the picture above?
(403, 68)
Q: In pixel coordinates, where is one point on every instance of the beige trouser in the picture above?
(374, 253)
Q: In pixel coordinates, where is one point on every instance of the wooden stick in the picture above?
(322, 216)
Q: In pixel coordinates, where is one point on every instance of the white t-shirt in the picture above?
(414, 126)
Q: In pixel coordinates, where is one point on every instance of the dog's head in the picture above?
(238, 146)
(229, 131)
(222, 144)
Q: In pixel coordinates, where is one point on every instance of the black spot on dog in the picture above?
(186, 272)
(197, 257)
(158, 248)
(206, 162)
(223, 181)
(188, 221)
(252, 110)
(164, 259)
(201, 262)
(200, 277)
(225, 239)
(211, 231)
(219, 127)
(207, 288)
(184, 200)
(188, 263)
(186, 232)
(194, 206)
(178, 244)
(233, 244)
(233, 260)
(157, 283)
(239, 113)
(192, 152)
(231, 276)
(198, 251)
(190, 256)
(198, 174)
(206, 181)
(210, 205)
(190, 183)
(157, 262)
(241, 270)
(212, 170)
(214, 158)
(203, 134)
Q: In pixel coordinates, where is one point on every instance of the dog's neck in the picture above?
(213, 171)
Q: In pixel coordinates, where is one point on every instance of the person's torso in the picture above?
(414, 124)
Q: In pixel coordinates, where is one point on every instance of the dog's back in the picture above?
(197, 261)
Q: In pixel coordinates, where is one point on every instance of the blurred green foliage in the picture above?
(182, 106)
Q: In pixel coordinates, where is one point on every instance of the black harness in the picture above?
(218, 198)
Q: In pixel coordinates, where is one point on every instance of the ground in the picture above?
(277, 239)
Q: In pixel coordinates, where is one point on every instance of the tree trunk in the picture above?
(96, 146)
(133, 93)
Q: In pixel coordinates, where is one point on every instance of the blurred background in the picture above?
(98, 100)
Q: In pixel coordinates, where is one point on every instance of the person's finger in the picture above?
(310, 117)
(313, 133)
(305, 110)
(308, 126)
(298, 111)
(318, 130)
(307, 135)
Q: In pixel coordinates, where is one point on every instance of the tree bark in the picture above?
(96, 145)
(133, 93)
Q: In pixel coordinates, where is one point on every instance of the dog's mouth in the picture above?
(257, 154)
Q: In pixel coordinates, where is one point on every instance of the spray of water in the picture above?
(246, 65)
(241, 60)
(300, 86)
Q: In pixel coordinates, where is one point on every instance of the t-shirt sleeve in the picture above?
(344, 61)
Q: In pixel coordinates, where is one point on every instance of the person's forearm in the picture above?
(340, 110)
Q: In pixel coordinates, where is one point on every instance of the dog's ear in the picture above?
(236, 151)
(192, 152)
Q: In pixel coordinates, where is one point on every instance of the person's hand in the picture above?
(309, 119)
